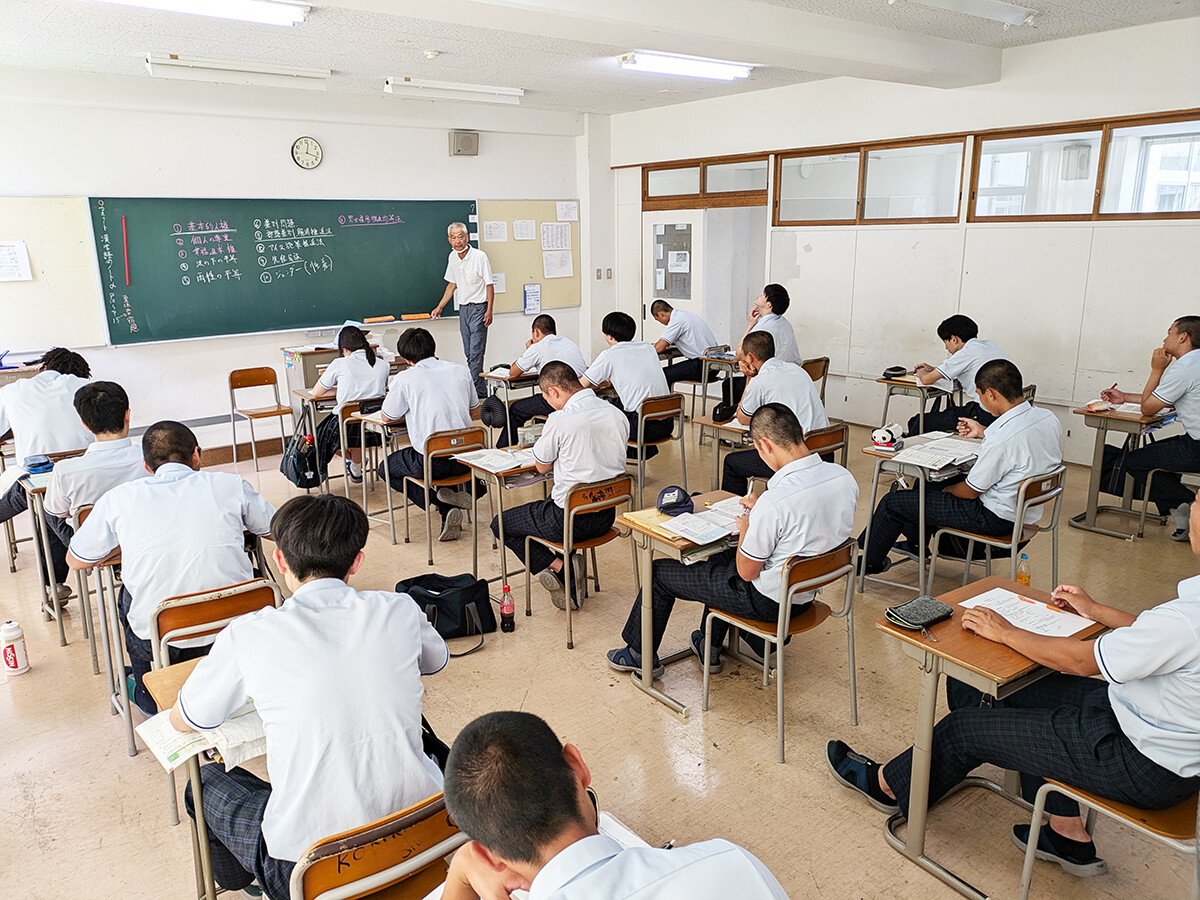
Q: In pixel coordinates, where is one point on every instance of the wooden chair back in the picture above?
(458, 440)
(1029, 392)
(257, 376)
(600, 495)
(207, 612)
(398, 856)
(1039, 487)
(807, 573)
(829, 439)
(350, 408)
(818, 370)
(664, 407)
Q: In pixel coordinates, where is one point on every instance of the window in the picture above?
(919, 182)
(672, 182)
(703, 183)
(747, 175)
(1037, 175)
(819, 188)
(1153, 169)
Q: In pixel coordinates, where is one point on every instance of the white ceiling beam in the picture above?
(740, 30)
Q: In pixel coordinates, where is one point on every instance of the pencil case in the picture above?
(919, 613)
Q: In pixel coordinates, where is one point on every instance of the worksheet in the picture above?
(1032, 615)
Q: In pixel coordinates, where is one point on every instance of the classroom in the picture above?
(890, 165)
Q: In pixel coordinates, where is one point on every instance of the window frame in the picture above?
(1111, 125)
(703, 199)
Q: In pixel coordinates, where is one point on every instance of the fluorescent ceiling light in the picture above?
(421, 89)
(996, 10)
(690, 66)
(264, 12)
(228, 71)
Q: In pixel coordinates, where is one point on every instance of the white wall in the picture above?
(69, 134)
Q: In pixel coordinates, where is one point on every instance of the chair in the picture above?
(693, 383)
(1176, 827)
(1034, 493)
(84, 592)
(1146, 499)
(657, 409)
(439, 445)
(818, 370)
(348, 409)
(10, 535)
(198, 614)
(583, 498)
(400, 856)
(241, 379)
(800, 574)
(1029, 392)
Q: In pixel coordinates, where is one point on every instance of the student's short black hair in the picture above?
(415, 344)
(557, 373)
(102, 406)
(959, 326)
(319, 535)
(778, 424)
(545, 324)
(1189, 325)
(509, 786)
(660, 306)
(166, 442)
(1001, 376)
(353, 338)
(68, 362)
(760, 343)
(777, 296)
(619, 326)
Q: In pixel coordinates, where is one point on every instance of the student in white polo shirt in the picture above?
(41, 414)
(335, 675)
(180, 531)
(358, 374)
(1174, 381)
(583, 442)
(469, 281)
(1132, 735)
(1022, 442)
(968, 352)
(431, 395)
(635, 372)
(689, 334)
(544, 345)
(769, 380)
(807, 509)
(767, 315)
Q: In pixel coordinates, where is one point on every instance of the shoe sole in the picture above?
(451, 526)
(837, 776)
(555, 588)
(1079, 870)
(714, 669)
(457, 499)
(1179, 538)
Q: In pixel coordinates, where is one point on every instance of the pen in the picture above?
(668, 845)
(1036, 603)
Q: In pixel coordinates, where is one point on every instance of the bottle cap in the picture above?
(1024, 556)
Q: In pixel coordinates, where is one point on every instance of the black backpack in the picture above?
(299, 463)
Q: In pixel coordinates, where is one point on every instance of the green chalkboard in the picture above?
(185, 268)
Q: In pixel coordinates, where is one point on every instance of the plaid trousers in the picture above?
(407, 461)
(520, 412)
(234, 803)
(1061, 727)
(714, 582)
(1179, 454)
(947, 419)
(545, 519)
(329, 440)
(898, 513)
(739, 467)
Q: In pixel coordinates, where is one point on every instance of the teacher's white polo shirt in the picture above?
(634, 370)
(41, 413)
(81, 480)
(434, 395)
(470, 276)
(1025, 441)
(585, 440)
(782, 382)
(552, 348)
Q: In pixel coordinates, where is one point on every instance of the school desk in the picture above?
(51, 606)
(508, 384)
(733, 431)
(909, 386)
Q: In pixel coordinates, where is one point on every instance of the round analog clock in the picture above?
(306, 152)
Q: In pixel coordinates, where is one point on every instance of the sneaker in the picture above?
(697, 645)
(872, 570)
(1180, 515)
(553, 583)
(354, 473)
(251, 890)
(626, 659)
(451, 497)
(857, 772)
(1077, 857)
(64, 593)
(451, 525)
(748, 650)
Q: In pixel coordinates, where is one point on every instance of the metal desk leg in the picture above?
(85, 603)
(887, 399)
(716, 455)
(202, 852)
(120, 697)
(1086, 520)
(110, 682)
(51, 605)
(644, 680)
(862, 578)
(921, 536)
(704, 372)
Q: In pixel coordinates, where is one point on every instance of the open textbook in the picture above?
(940, 453)
(237, 739)
(497, 460)
(712, 524)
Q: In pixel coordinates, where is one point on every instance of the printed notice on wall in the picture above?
(499, 283)
(557, 264)
(495, 232)
(556, 236)
(14, 262)
(679, 261)
(567, 211)
(533, 299)
(524, 229)
(660, 279)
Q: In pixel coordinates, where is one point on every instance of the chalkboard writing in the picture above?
(183, 268)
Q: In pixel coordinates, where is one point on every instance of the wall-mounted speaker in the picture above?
(464, 143)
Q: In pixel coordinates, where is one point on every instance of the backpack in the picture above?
(299, 463)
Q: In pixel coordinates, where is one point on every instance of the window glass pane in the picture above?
(1153, 168)
(818, 187)
(673, 262)
(1046, 175)
(738, 176)
(914, 182)
(669, 182)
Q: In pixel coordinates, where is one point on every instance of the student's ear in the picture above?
(354, 566)
(196, 458)
(127, 414)
(575, 760)
(280, 562)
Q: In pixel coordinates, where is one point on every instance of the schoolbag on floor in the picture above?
(299, 463)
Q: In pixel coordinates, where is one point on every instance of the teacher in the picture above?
(469, 281)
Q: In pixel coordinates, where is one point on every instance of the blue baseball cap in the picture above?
(674, 501)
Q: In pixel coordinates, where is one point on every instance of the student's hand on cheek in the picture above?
(1159, 359)
(472, 867)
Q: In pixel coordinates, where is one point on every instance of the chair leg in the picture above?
(967, 563)
(595, 571)
(567, 575)
(987, 555)
(1145, 502)
(172, 800)
(1054, 555)
(429, 492)
(528, 592)
(707, 658)
(1035, 824)
(253, 444)
(404, 491)
(637, 569)
(778, 688)
(233, 431)
(933, 563)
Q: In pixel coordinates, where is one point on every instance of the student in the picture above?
(1022, 442)
(335, 674)
(689, 334)
(112, 459)
(807, 509)
(583, 441)
(358, 374)
(1174, 381)
(545, 345)
(523, 798)
(1133, 737)
(180, 531)
(769, 380)
(767, 315)
(635, 372)
(431, 395)
(968, 351)
(40, 413)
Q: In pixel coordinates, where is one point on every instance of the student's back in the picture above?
(432, 395)
(783, 382)
(40, 413)
(550, 348)
(356, 378)
(634, 370)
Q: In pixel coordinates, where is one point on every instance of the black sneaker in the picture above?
(857, 772)
(697, 644)
(1077, 857)
(626, 659)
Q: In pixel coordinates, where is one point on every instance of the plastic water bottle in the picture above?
(1023, 575)
(507, 620)
(12, 647)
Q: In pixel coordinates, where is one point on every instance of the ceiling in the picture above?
(562, 52)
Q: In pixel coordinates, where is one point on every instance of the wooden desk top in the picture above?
(915, 440)
(910, 381)
(164, 684)
(720, 360)
(375, 418)
(646, 521)
(1121, 416)
(523, 379)
(997, 662)
(732, 425)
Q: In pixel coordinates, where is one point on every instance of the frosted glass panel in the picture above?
(818, 188)
(669, 182)
(914, 182)
(1046, 175)
(739, 176)
(1153, 168)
